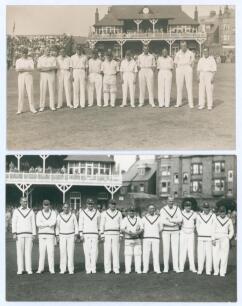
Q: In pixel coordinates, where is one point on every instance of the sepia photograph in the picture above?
(120, 77)
(137, 228)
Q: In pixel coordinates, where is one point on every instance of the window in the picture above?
(230, 192)
(197, 168)
(95, 168)
(226, 37)
(175, 194)
(219, 167)
(230, 176)
(141, 171)
(165, 187)
(105, 169)
(185, 178)
(165, 170)
(176, 178)
(142, 188)
(219, 185)
(226, 27)
(196, 186)
(75, 200)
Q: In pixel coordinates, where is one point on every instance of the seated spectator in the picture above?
(49, 170)
(11, 166)
(31, 169)
(63, 170)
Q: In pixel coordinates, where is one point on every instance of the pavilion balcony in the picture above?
(59, 178)
(149, 35)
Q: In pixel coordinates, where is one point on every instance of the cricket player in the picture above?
(132, 227)
(171, 218)
(89, 228)
(206, 70)
(146, 65)
(25, 67)
(66, 231)
(64, 78)
(222, 233)
(111, 234)
(46, 221)
(165, 67)
(187, 246)
(94, 79)
(24, 232)
(47, 66)
(110, 69)
(204, 226)
(79, 65)
(184, 61)
(128, 71)
(151, 239)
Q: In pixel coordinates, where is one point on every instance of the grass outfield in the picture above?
(169, 287)
(126, 129)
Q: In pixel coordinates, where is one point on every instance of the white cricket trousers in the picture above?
(90, 246)
(164, 87)
(79, 87)
(151, 244)
(47, 79)
(24, 252)
(184, 72)
(109, 89)
(146, 77)
(25, 80)
(204, 253)
(170, 238)
(46, 244)
(67, 245)
(94, 84)
(187, 248)
(205, 89)
(128, 84)
(64, 84)
(220, 255)
(111, 253)
(132, 248)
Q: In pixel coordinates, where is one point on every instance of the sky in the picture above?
(71, 19)
(125, 161)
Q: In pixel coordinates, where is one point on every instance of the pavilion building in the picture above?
(134, 26)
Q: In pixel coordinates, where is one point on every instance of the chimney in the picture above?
(220, 12)
(226, 9)
(196, 14)
(96, 16)
(137, 158)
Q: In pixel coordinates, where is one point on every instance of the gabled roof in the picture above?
(109, 20)
(118, 13)
(182, 19)
(136, 11)
(132, 174)
(90, 158)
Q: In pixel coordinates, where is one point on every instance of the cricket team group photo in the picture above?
(114, 215)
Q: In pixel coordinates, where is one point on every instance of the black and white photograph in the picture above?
(137, 228)
(120, 77)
